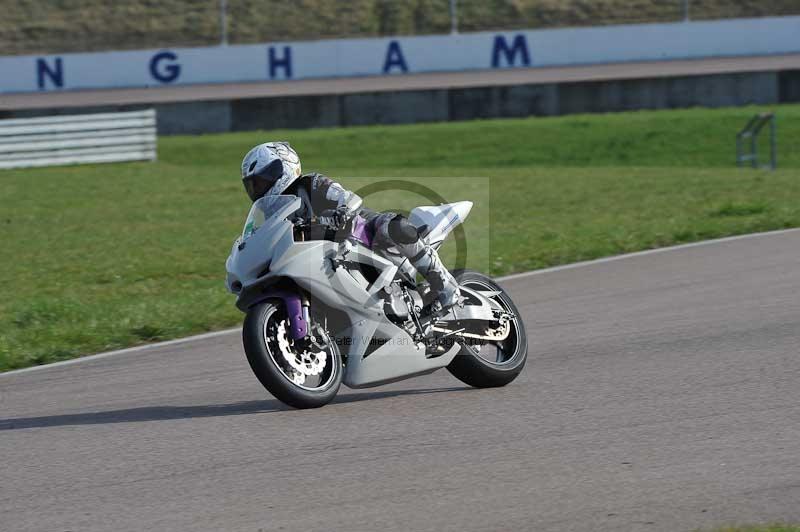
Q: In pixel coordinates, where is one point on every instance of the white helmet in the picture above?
(270, 168)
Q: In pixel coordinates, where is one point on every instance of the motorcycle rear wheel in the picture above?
(274, 370)
(471, 365)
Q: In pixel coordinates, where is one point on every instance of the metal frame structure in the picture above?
(78, 139)
(751, 131)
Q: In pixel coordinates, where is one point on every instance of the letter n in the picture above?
(44, 72)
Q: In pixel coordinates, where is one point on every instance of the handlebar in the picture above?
(308, 230)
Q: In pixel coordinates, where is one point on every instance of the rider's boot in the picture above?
(443, 285)
(396, 230)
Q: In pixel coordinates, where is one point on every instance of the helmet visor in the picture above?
(257, 185)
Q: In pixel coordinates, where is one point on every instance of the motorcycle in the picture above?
(323, 309)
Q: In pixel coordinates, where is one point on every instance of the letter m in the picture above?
(518, 47)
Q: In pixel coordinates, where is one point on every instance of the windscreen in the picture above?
(265, 209)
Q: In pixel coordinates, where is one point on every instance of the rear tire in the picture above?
(469, 366)
(271, 368)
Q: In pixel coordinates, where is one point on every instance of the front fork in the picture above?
(297, 310)
(305, 306)
(312, 330)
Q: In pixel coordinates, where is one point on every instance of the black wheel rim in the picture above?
(311, 383)
(502, 353)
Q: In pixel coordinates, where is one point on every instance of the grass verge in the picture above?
(108, 256)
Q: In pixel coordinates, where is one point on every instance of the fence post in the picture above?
(453, 16)
(223, 22)
(739, 158)
(773, 143)
(686, 6)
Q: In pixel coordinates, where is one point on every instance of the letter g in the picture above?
(169, 72)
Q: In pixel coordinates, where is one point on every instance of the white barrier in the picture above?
(483, 51)
(93, 138)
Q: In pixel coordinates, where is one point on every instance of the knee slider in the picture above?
(401, 230)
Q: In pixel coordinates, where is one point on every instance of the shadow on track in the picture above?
(168, 413)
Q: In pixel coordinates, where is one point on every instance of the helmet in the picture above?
(269, 168)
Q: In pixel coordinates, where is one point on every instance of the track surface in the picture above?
(661, 394)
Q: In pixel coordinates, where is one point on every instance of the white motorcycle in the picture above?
(323, 309)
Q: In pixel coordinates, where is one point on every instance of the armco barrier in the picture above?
(93, 138)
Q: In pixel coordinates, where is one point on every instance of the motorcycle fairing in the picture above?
(267, 255)
(264, 229)
(311, 266)
(440, 219)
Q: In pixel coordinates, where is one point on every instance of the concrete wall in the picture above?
(400, 56)
(669, 93)
(402, 107)
(789, 86)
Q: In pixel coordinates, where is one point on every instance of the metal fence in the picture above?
(92, 138)
(32, 26)
(747, 141)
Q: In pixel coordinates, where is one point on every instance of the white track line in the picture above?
(138, 348)
(644, 253)
(512, 277)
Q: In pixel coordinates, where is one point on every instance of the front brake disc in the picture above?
(305, 362)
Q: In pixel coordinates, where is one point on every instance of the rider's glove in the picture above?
(336, 218)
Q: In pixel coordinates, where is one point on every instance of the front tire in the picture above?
(263, 329)
(510, 355)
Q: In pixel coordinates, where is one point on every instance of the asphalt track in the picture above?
(425, 81)
(661, 394)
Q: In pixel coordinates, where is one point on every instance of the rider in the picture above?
(273, 168)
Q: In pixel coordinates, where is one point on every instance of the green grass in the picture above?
(107, 256)
(33, 26)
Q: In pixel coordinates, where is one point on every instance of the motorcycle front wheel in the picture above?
(300, 373)
(491, 364)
